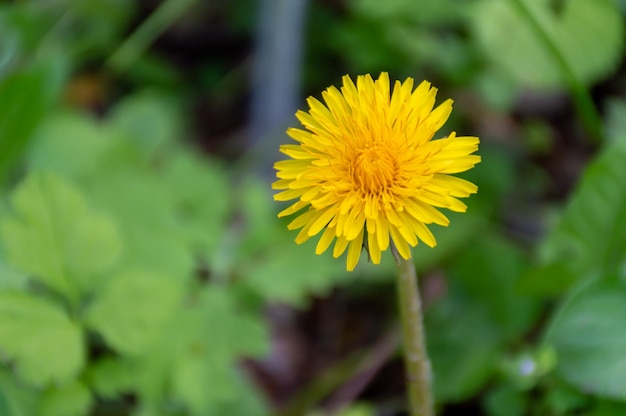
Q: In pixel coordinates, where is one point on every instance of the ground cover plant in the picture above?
(143, 270)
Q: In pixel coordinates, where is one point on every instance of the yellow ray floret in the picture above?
(366, 171)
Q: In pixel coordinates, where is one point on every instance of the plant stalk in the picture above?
(583, 101)
(418, 369)
(138, 42)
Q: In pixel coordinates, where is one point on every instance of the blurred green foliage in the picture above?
(135, 271)
(577, 28)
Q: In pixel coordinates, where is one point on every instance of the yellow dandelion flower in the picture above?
(368, 171)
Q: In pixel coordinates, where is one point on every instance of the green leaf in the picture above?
(546, 280)
(193, 374)
(208, 358)
(497, 90)
(25, 97)
(288, 272)
(590, 238)
(615, 122)
(148, 120)
(248, 402)
(582, 29)
(493, 284)
(9, 47)
(416, 11)
(506, 401)
(589, 336)
(56, 238)
(255, 204)
(233, 331)
(28, 42)
(133, 309)
(102, 24)
(4, 404)
(461, 344)
(26, 22)
(152, 370)
(73, 399)
(69, 133)
(361, 46)
(100, 148)
(193, 362)
(109, 377)
(11, 278)
(270, 261)
(191, 181)
(463, 228)
(607, 408)
(44, 343)
(141, 204)
(16, 398)
(565, 399)
(399, 33)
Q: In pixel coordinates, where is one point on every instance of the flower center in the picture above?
(374, 169)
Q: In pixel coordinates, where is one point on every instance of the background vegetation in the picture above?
(142, 267)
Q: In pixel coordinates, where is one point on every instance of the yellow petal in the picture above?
(382, 232)
(321, 221)
(400, 243)
(292, 209)
(373, 248)
(288, 194)
(303, 219)
(340, 246)
(325, 240)
(354, 252)
(281, 184)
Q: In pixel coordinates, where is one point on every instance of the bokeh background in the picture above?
(143, 270)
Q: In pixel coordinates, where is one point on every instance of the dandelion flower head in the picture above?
(365, 170)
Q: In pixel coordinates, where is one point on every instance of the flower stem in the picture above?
(138, 42)
(583, 101)
(418, 370)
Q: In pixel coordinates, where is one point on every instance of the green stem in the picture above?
(583, 102)
(135, 45)
(419, 373)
